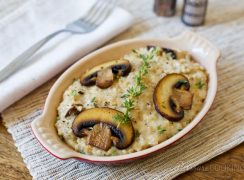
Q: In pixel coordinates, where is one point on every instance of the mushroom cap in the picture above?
(119, 67)
(90, 117)
(174, 53)
(105, 78)
(165, 99)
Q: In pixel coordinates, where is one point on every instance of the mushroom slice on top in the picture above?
(75, 109)
(172, 96)
(166, 50)
(171, 52)
(119, 67)
(105, 78)
(182, 98)
(174, 54)
(123, 133)
(100, 137)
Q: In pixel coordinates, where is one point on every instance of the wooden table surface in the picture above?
(229, 165)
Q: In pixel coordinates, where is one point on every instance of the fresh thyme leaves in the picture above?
(114, 152)
(200, 84)
(160, 130)
(73, 92)
(93, 99)
(94, 102)
(122, 118)
(138, 88)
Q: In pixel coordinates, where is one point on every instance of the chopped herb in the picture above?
(73, 92)
(114, 152)
(134, 51)
(93, 99)
(81, 92)
(57, 118)
(122, 118)
(200, 84)
(137, 133)
(106, 103)
(123, 96)
(179, 129)
(82, 152)
(160, 130)
(137, 89)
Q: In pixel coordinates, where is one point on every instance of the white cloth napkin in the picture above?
(24, 23)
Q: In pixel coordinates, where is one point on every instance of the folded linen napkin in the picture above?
(32, 20)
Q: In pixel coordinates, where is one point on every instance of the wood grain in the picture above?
(11, 163)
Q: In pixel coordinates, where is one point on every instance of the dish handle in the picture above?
(198, 45)
(49, 139)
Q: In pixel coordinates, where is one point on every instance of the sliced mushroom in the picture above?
(119, 67)
(174, 54)
(122, 68)
(100, 137)
(74, 110)
(90, 117)
(182, 98)
(171, 52)
(171, 96)
(166, 50)
(105, 78)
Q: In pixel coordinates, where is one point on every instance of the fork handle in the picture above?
(20, 60)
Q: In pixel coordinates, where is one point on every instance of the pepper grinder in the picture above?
(164, 7)
(194, 12)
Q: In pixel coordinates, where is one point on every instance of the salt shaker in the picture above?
(164, 7)
(194, 12)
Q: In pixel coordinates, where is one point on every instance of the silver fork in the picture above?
(94, 18)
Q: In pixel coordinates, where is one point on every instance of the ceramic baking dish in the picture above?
(44, 127)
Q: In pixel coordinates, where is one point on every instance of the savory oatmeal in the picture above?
(132, 103)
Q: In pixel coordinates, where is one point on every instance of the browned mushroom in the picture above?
(100, 137)
(174, 54)
(171, 52)
(171, 96)
(105, 78)
(182, 98)
(75, 109)
(122, 135)
(119, 67)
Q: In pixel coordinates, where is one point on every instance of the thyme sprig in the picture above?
(137, 89)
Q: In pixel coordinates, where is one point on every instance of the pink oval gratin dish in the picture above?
(44, 127)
